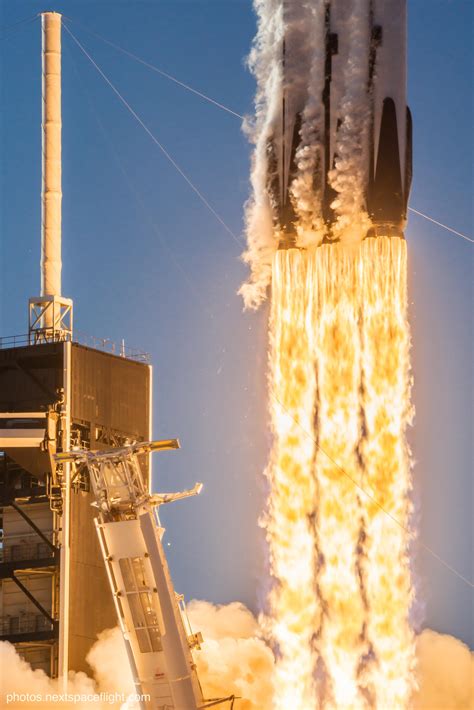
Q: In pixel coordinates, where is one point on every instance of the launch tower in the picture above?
(57, 392)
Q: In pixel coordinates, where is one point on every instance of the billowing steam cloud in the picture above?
(445, 673)
(23, 687)
(234, 660)
(109, 662)
(111, 685)
(265, 63)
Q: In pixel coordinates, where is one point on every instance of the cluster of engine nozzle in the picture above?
(389, 134)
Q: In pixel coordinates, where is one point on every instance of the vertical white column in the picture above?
(51, 179)
(65, 555)
(150, 432)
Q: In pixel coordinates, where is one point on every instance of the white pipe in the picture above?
(65, 555)
(51, 182)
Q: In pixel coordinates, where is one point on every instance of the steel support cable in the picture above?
(4, 31)
(154, 68)
(156, 141)
(371, 497)
(143, 210)
(222, 106)
(440, 224)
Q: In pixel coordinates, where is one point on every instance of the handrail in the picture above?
(102, 344)
(24, 552)
(24, 623)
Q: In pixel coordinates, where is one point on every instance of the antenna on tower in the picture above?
(50, 315)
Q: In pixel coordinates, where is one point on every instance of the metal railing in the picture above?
(23, 552)
(103, 344)
(109, 346)
(14, 341)
(24, 623)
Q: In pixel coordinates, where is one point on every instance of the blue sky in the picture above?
(144, 260)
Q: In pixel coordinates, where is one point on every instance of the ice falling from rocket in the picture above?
(331, 176)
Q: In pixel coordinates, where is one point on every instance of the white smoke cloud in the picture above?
(302, 24)
(264, 62)
(22, 687)
(445, 673)
(109, 662)
(234, 659)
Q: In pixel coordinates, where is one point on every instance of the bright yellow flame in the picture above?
(289, 525)
(337, 429)
(387, 470)
(339, 397)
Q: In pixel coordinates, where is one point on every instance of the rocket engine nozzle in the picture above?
(386, 139)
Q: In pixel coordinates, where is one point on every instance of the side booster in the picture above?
(389, 136)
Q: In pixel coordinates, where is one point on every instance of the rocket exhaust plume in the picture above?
(386, 411)
(289, 521)
(331, 174)
(339, 397)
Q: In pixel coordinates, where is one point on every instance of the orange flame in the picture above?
(387, 470)
(340, 404)
(295, 608)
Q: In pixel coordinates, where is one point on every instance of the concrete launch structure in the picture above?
(57, 393)
(387, 140)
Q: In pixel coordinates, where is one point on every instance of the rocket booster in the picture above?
(387, 134)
